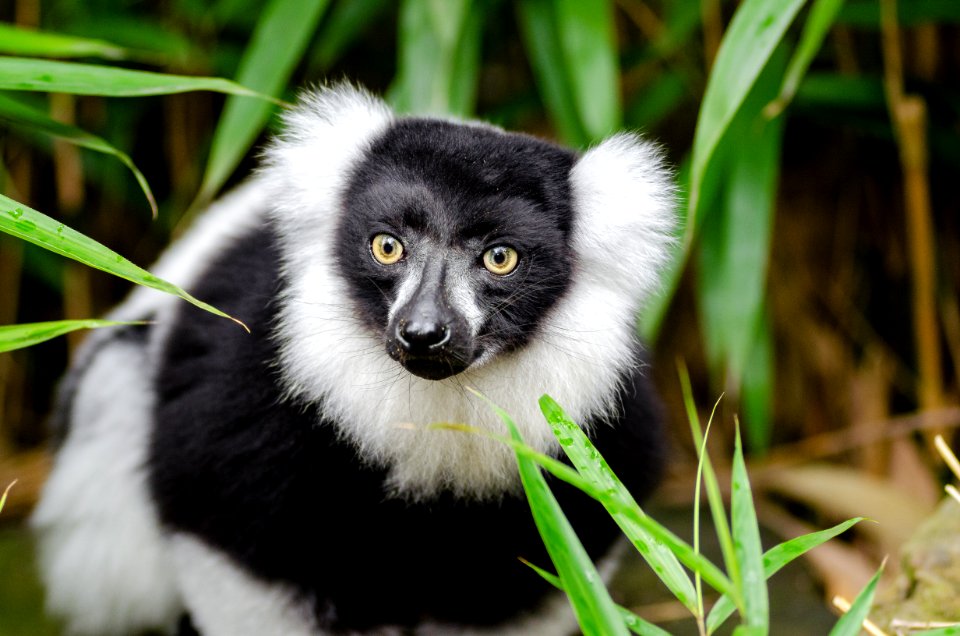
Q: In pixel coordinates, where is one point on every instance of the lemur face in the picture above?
(455, 242)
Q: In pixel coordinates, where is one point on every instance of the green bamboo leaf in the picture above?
(754, 32)
(538, 25)
(19, 41)
(684, 553)
(23, 222)
(757, 386)
(774, 560)
(587, 460)
(734, 244)
(28, 334)
(851, 623)
(265, 67)
(815, 29)
(634, 623)
(595, 610)
(26, 116)
(26, 74)
(746, 543)
(439, 46)
(588, 43)
(734, 250)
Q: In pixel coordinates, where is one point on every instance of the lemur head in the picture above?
(421, 254)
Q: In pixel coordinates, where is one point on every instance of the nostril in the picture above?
(418, 336)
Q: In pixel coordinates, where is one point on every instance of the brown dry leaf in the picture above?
(842, 493)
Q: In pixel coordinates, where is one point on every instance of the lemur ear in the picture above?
(307, 166)
(624, 201)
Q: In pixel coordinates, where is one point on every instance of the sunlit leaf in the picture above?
(815, 29)
(439, 53)
(851, 622)
(754, 32)
(28, 334)
(265, 67)
(26, 116)
(634, 623)
(23, 222)
(538, 27)
(23, 74)
(596, 612)
(588, 43)
(746, 543)
(774, 560)
(616, 498)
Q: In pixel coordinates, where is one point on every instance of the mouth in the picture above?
(433, 366)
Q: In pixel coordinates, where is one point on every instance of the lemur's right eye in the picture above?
(387, 249)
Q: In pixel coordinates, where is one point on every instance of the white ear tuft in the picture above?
(307, 167)
(624, 216)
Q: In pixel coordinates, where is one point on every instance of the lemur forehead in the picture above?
(425, 174)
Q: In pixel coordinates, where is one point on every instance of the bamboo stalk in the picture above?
(908, 113)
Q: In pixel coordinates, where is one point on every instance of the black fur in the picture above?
(256, 476)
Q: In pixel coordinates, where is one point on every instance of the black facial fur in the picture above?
(449, 193)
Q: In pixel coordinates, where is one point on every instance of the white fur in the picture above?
(100, 549)
(224, 600)
(621, 237)
(102, 556)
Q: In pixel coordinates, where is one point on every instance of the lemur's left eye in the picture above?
(500, 260)
(387, 249)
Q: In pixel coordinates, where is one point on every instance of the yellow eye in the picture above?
(500, 260)
(386, 249)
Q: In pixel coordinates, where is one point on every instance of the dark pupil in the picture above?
(499, 256)
(387, 247)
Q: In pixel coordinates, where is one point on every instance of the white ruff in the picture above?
(622, 201)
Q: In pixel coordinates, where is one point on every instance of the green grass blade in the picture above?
(746, 543)
(633, 622)
(20, 41)
(754, 32)
(37, 228)
(28, 334)
(588, 42)
(714, 497)
(26, 116)
(584, 456)
(595, 610)
(774, 560)
(815, 29)
(264, 67)
(26, 74)
(866, 13)
(851, 623)
(684, 553)
(538, 27)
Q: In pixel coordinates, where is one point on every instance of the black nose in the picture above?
(422, 334)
